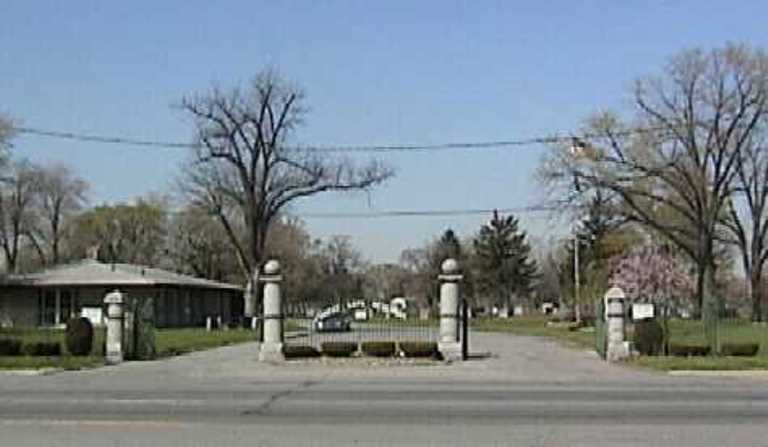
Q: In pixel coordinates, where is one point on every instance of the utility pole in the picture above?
(576, 291)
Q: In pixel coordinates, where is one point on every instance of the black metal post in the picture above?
(464, 329)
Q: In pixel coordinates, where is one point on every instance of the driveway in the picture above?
(531, 392)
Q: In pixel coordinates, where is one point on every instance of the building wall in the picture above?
(174, 306)
(19, 306)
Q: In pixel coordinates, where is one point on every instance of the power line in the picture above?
(424, 213)
(102, 139)
(477, 145)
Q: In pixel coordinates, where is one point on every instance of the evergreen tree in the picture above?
(506, 267)
(448, 246)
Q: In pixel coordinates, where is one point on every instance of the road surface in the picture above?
(532, 392)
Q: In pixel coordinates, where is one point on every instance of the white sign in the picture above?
(94, 314)
(642, 311)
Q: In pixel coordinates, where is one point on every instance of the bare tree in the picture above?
(748, 219)
(197, 246)
(60, 194)
(17, 218)
(676, 176)
(6, 133)
(133, 233)
(245, 172)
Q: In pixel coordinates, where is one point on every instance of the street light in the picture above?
(576, 275)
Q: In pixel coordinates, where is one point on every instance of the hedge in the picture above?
(649, 337)
(294, 352)
(41, 349)
(418, 348)
(10, 347)
(740, 349)
(79, 336)
(338, 348)
(689, 350)
(378, 348)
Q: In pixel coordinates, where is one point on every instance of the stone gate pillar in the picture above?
(115, 313)
(272, 344)
(618, 348)
(449, 345)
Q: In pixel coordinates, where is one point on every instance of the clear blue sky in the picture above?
(375, 73)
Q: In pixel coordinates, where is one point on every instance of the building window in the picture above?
(56, 307)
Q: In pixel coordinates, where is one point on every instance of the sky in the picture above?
(374, 73)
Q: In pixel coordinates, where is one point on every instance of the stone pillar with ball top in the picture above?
(272, 344)
(449, 345)
(115, 313)
(618, 348)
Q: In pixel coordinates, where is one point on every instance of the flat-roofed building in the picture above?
(50, 297)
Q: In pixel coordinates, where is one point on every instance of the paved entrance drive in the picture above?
(533, 392)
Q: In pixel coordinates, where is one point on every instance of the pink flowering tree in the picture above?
(652, 275)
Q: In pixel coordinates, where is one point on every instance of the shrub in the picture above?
(689, 350)
(294, 352)
(41, 349)
(378, 348)
(740, 349)
(9, 346)
(338, 348)
(418, 348)
(79, 336)
(649, 337)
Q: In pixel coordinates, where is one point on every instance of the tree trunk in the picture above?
(756, 292)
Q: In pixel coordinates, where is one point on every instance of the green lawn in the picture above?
(66, 361)
(169, 342)
(682, 332)
(691, 332)
(708, 363)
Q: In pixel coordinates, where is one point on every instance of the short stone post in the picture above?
(618, 349)
(449, 345)
(115, 313)
(272, 343)
(249, 300)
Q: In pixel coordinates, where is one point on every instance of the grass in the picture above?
(66, 361)
(169, 342)
(691, 332)
(681, 332)
(707, 363)
(535, 326)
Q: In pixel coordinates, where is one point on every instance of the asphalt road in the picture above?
(532, 392)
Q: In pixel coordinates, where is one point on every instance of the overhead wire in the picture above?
(491, 144)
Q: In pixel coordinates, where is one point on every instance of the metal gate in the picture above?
(359, 323)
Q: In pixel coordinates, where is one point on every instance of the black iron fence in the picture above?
(720, 333)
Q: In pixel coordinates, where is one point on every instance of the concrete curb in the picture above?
(751, 374)
(30, 372)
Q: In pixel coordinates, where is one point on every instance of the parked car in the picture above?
(336, 322)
